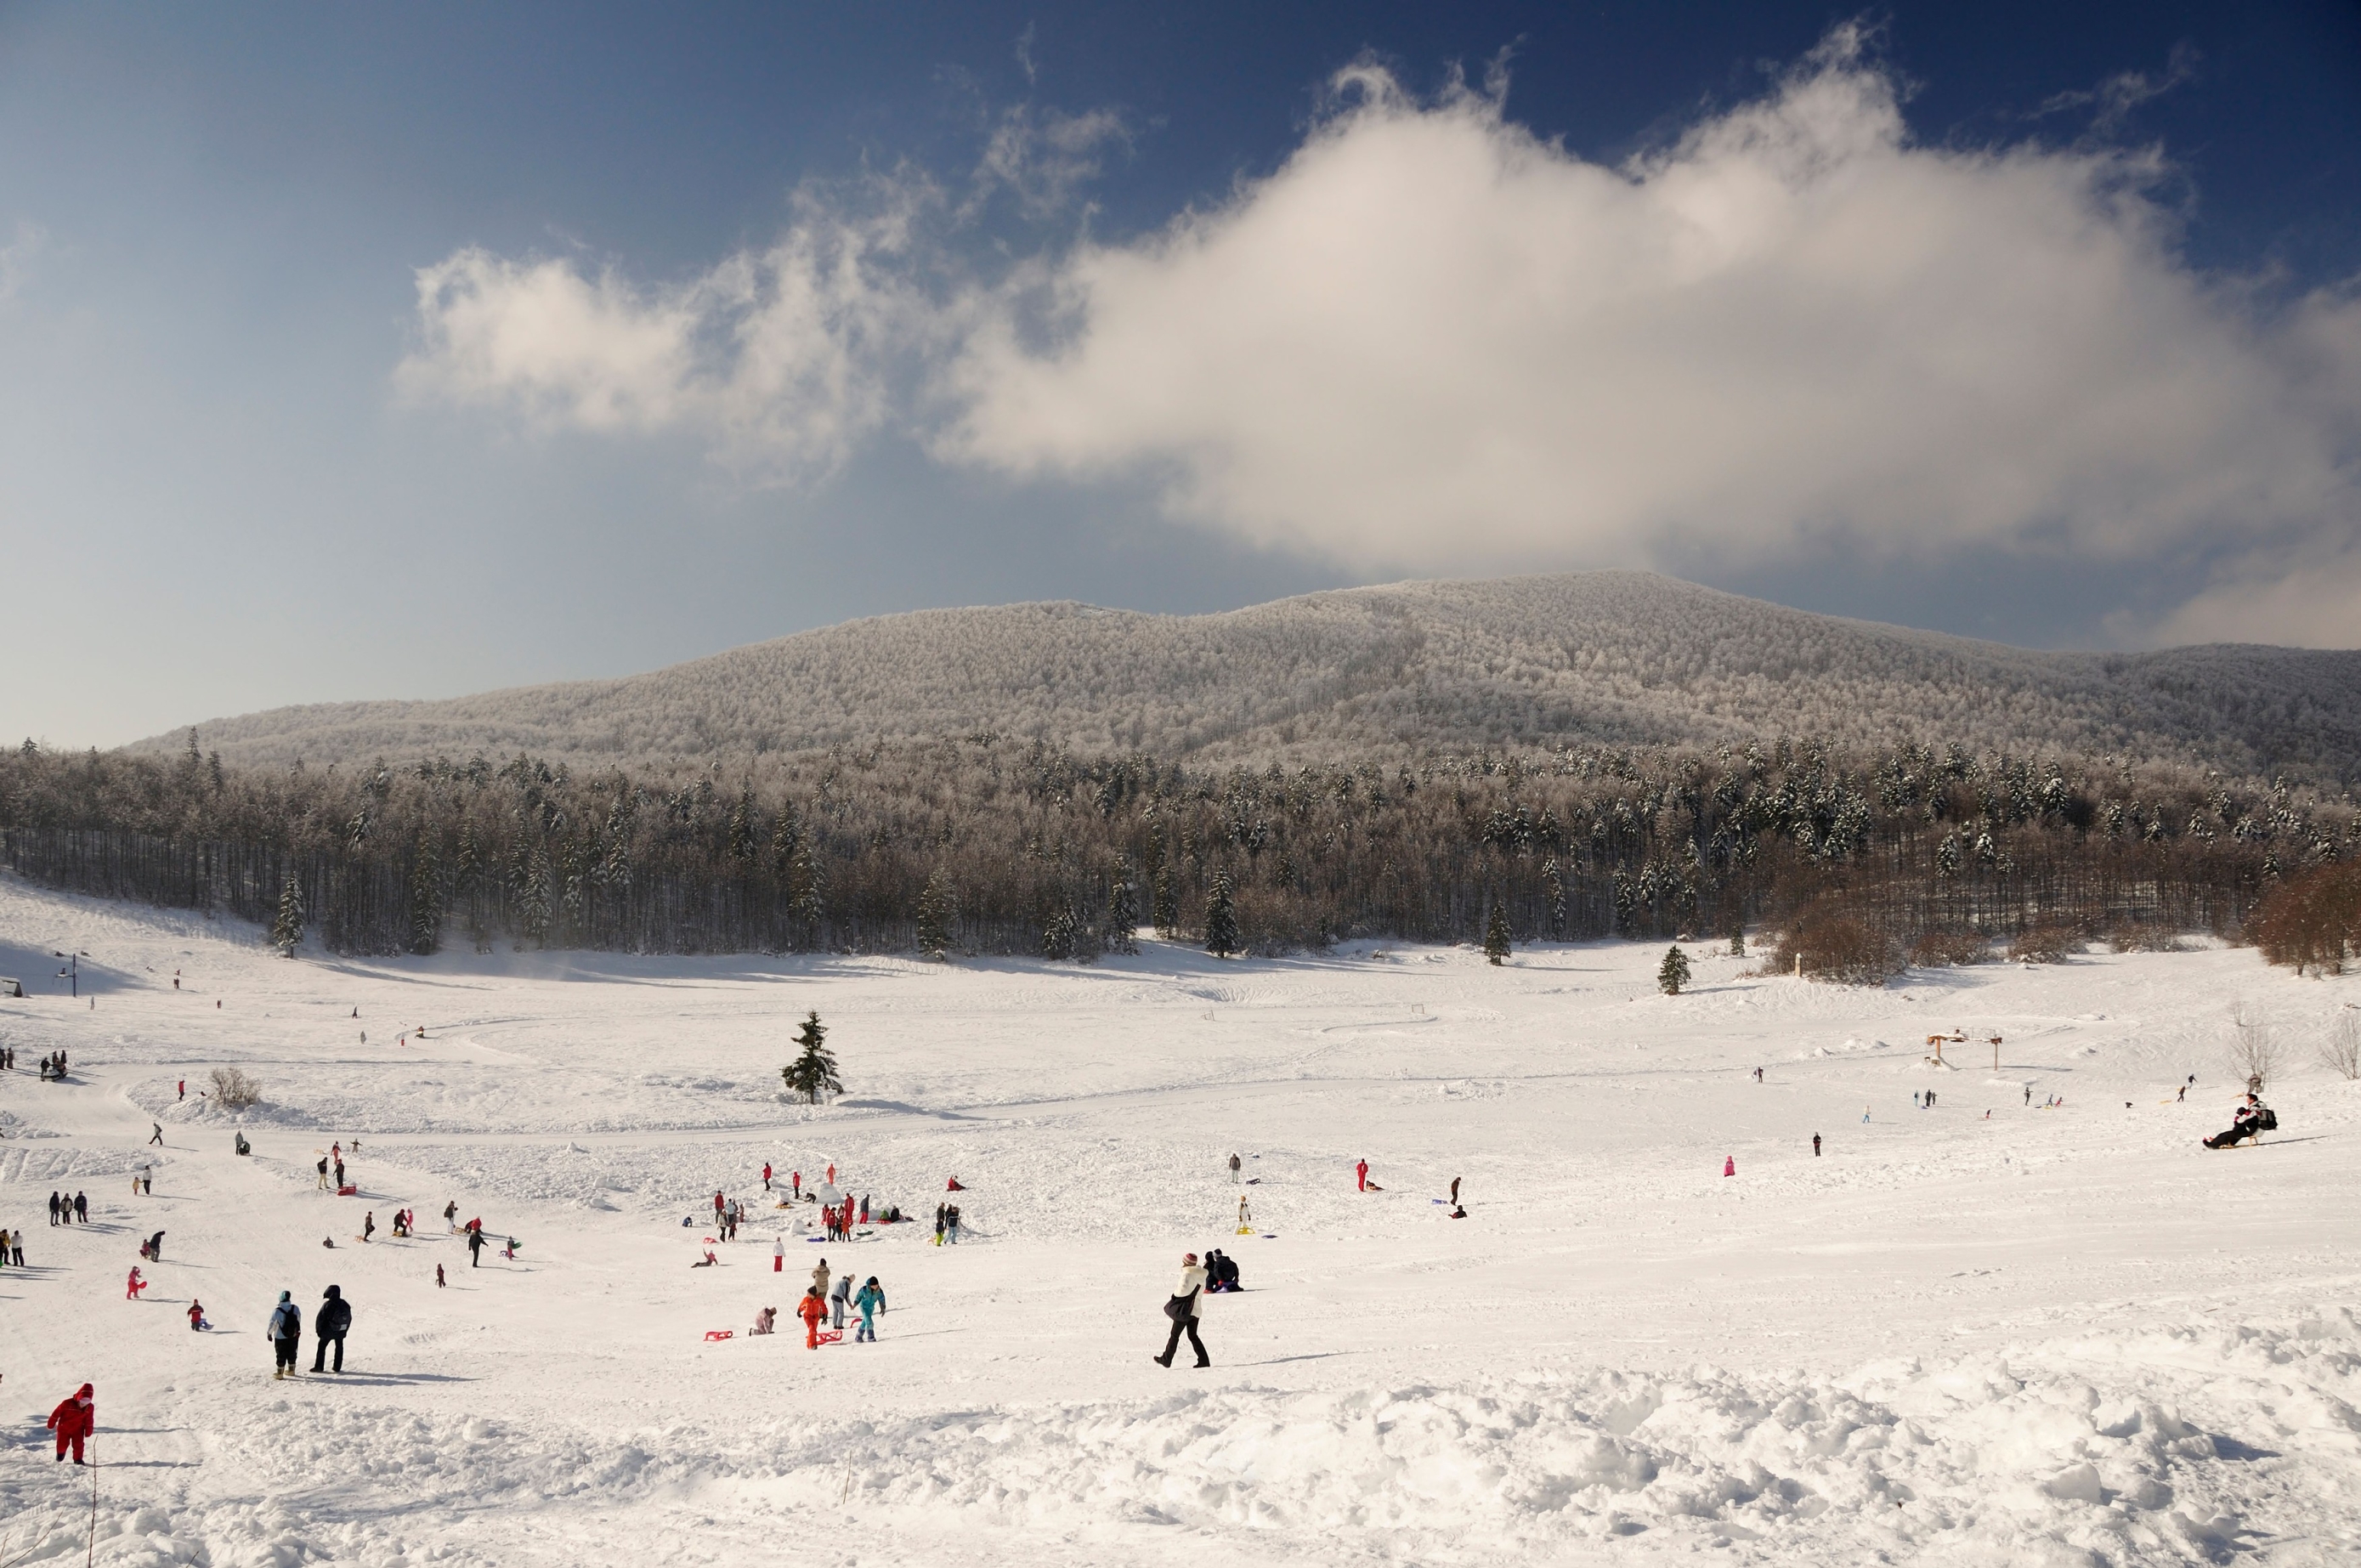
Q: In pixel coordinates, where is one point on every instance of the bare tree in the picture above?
(2342, 1049)
(234, 1090)
(2254, 1048)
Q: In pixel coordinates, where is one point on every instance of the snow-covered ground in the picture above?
(2036, 1336)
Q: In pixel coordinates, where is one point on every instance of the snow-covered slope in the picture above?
(1985, 1332)
(1588, 657)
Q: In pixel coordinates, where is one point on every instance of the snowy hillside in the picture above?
(1997, 1330)
(1590, 657)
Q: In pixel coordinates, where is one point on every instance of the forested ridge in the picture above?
(1620, 658)
(990, 844)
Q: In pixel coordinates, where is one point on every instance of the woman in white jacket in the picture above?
(1182, 1310)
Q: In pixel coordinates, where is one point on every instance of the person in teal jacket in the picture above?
(871, 1301)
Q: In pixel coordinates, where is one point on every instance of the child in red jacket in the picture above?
(73, 1420)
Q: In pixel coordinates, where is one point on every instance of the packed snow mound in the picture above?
(2189, 1442)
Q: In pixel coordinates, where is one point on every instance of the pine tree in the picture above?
(1166, 917)
(287, 931)
(807, 892)
(1673, 972)
(1555, 881)
(740, 844)
(936, 907)
(812, 1073)
(1123, 912)
(1058, 934)
(1496, 935)
(1737, 937)
(425, 900)
(1221, 917)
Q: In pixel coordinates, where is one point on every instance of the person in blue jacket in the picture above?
(871, 1301)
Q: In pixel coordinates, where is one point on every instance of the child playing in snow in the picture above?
(197, 1315)
(813, 1311)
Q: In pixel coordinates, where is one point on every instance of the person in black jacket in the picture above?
(331, 1323)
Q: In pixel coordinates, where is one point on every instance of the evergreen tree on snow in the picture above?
(1496, 935)
(1737, 937)
(1555, 882)
(1166, 917)
(740, 844)
(1221, 917)
(287, 931)
(813, 1073)
(936, 910)
(1123, 910)
(1673, 972)
(1058, 933)
(426, 899)
(806, 892)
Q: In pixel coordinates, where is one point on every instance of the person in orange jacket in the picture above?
(73, 1420)
(813, 1311)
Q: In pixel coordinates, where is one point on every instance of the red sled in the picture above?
(831, 1336)
(720, 1333)
(349, 1191)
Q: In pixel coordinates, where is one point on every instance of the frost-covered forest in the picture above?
(998, 844)
(1340, 677)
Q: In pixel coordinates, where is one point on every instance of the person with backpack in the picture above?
(329, 1325)
(1182, 1310)
(286, 1330)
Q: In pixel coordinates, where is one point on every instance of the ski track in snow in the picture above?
(2062, 1336)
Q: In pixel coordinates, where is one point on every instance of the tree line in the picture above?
(989, 844)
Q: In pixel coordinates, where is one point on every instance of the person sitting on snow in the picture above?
(765, 1319)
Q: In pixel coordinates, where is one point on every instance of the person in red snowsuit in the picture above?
(73, 1420)
(812, 1309)
(1361, 1176)
(766, 1175)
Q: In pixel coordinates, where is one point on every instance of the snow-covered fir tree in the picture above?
(1221, 916)
(287, 931)
(813, 1073)
(1496, 935)
(1673, 972)
(936, 908)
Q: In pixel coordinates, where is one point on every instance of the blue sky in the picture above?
(405, 352)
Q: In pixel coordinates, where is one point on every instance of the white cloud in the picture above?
(1043, 158)
(779, 356)
(1431, 342)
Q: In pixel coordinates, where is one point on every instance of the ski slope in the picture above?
(2044, 1336)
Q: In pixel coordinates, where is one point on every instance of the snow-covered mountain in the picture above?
(1582, 658)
